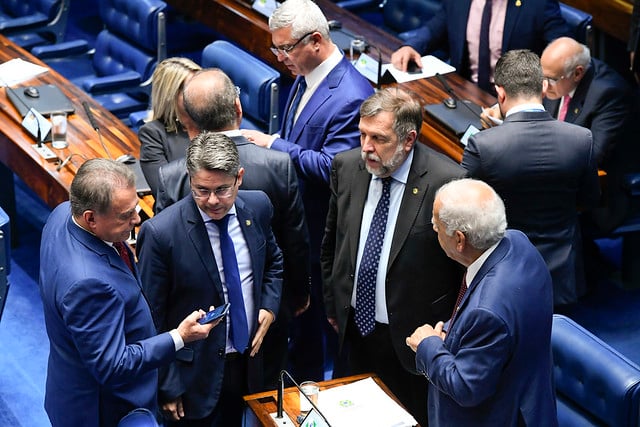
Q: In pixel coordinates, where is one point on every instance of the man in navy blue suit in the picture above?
(104, 350)
(490, 364)
(185, 256)
(514, 24)
(320, 124)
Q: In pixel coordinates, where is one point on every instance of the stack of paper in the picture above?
(362, 403)
(17, 71)
(431, 66)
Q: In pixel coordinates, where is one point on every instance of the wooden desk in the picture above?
(249, 29)
(261, 405)
(16, 150)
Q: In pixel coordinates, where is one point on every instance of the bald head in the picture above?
(211, 101)
(564, 62)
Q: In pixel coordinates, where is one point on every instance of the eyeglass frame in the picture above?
(555, 81)
(286, 49)
(221, 193)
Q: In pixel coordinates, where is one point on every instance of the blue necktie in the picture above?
(484, 52)
(239, 328)
(288, 124)
(366, 291)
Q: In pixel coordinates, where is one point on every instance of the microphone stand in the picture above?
(450, 91)
(280, 397)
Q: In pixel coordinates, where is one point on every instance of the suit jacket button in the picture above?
(221, 352)
(351, 276)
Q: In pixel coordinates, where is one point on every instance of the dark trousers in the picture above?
(374, 353)
(229, 410)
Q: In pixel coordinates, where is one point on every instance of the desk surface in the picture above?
(264, 404)
(16, 150)
(249, 29)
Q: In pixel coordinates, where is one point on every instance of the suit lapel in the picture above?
(577, 101)
(514, 8)
(359, 191)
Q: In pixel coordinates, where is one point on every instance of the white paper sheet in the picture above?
(431, 65)
(18, 70)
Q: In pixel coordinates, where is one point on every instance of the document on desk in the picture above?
(18, 70)
(431, 66)
(362, 403)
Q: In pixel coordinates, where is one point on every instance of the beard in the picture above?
(385, 168)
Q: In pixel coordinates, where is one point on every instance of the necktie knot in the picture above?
(120, 247)
(222, 223)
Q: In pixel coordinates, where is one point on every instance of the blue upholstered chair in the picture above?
(259, 84)
(117, 72)
(140, 417)
(580, 24)
(595, 384)
(30, 23)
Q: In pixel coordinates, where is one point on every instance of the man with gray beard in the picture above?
(382, 268)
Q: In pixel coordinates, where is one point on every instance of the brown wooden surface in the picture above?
(264, 404)
(611, 16)
(249, 29)
(16, 150)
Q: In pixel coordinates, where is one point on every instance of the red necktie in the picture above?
(463, 290)
(565, 107)
(124, 254)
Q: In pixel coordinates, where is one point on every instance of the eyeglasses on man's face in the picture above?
(554, 80)
(222, 192)
(286, 49)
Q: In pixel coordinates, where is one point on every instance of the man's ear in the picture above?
(502, 95)
(461, 240)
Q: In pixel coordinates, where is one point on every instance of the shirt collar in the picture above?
(525, 107)
(475, 266)
(319, 73)
(206, 217)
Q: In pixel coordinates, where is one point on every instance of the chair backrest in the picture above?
(259, 83)
(405, 15)
(41, 16)
(134, 37)
(580, 24)
(595, 384)
(140, 417)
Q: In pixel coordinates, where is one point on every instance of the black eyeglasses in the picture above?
(286, 49)
(222, 192)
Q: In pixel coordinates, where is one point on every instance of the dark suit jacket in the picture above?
(327, 125)
(180, 274)
(271, 172)
(604, 103)
(422, 282)
(494, 367)
(157, 148)
(544, 170)
(104, 349)
(530, 25)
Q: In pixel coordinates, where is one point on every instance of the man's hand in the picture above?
(333, 322)
(265, 319)
(423, 332)
(491, 117)
(190, 330)
(299, 310)
(401, 58)
(258, 138)
(173, 409)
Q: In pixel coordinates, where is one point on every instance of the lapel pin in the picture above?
(518, 3)
(248, 223)
(415, 190)
(575, 111)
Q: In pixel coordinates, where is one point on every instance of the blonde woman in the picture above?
(163, 139)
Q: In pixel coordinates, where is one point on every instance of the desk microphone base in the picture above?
(45, 152)
(285, 421)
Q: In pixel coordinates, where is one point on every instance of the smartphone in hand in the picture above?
(215, 314)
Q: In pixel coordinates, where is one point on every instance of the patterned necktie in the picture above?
(484, 51)
(366, 291)
(288, 125)
(124, 254)
(565, 107)
(461, 292)
(239, 330)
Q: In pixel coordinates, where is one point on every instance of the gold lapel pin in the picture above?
(415, 190)
(575, 111)
(248, 223)
(518, 3)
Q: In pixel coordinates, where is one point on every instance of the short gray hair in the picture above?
(213, 151)
(520, 74)
(582, 57)
(404, 105)
(93, 186)
(482, 220)
(304, 16)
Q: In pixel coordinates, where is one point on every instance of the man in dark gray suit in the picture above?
(543, 169)
(210, 102)
(413, 282)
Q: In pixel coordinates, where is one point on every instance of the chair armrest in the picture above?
(356, 4)
(23, 23)
(631, 184)
(115, 83)
(62, 50)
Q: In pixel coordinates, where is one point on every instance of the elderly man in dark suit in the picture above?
(544, 169)
(383, 271)
(210, 102)
(589, 93)
(492, 366)
(215, 246)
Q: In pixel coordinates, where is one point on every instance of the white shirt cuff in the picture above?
(177, 339)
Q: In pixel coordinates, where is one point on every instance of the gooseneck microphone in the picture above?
(94, 125)
(453, 95)
(67, 160)
(280, 396)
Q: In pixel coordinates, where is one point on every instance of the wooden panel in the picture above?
(610, 16)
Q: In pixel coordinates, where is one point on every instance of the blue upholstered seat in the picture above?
(140, 417)
(580, 24)
(259, 84)
(30, 23)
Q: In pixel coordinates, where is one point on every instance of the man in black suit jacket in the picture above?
(602, 101)
(210, 102)
(415, 281)
(544, 169)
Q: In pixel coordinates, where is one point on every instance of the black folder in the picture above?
(457, 119)
(51, 100)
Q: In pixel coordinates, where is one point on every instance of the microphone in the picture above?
(67, 160)
(280, 397)
(94, 125)
(453, 95)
